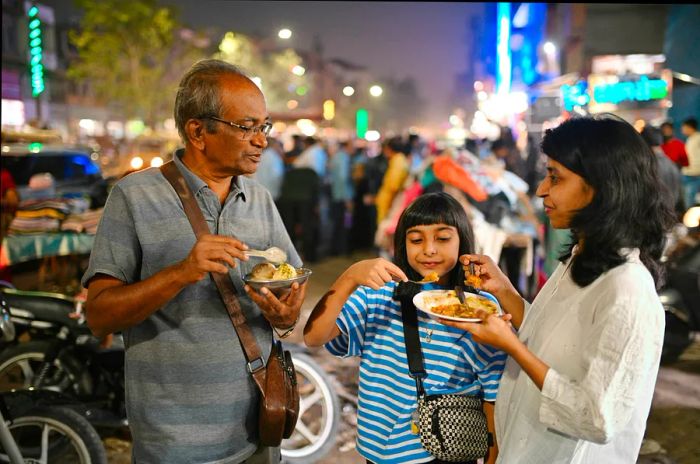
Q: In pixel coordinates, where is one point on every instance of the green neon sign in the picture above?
(361, 122)
(36, 68)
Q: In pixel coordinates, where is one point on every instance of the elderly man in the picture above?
(189, 396)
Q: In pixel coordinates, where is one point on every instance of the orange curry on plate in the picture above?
(448, 305)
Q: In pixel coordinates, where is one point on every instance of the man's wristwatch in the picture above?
(286, 332)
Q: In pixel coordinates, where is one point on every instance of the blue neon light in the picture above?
(575, 95)
(85, 164)
(526, 35)
(503, 57)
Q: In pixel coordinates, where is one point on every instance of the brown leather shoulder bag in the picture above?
(276, 378)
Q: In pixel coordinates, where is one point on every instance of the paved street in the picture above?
(671, 429)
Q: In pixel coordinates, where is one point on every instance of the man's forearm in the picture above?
(113, 305)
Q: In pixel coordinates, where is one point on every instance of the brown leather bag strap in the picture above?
(227, 291)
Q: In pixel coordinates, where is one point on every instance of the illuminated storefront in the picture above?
(634, 87)
(13, 114)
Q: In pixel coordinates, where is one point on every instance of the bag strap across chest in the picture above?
(414, 353)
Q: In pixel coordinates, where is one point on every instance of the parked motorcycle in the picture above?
(62, 355)
(41, 426)
(319, 412)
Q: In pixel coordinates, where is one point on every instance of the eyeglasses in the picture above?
(248, 132)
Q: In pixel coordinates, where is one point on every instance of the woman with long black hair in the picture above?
(582, 366)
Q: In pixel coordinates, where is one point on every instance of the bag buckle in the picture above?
(418, 377)
(291, 374)
(255, 365)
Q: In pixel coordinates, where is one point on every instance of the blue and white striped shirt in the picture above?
(371, 327)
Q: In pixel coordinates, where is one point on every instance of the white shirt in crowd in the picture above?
(313, 157)
(603, 345)
(692, 148)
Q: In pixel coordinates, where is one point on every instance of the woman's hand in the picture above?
(374, 273)
(493, 330)
(497, 332)
(493, 280)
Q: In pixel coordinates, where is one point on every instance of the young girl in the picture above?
(358, 317)
(580, 377)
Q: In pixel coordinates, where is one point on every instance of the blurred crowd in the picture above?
(361, 188)
(339, 196)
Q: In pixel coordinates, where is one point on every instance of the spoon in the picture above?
(470, 285)
(273, 254)
(459, 291)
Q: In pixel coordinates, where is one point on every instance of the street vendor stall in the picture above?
(22, 248)
(57, 231)
(60, 254)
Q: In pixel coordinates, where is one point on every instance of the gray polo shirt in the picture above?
(189, 396)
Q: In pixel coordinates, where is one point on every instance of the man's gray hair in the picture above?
(198, 95)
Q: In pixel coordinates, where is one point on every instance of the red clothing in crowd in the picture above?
(675, 150)
(7, 211)
(6, 182)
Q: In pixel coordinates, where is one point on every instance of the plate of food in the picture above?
(276, 277)
(445, 304)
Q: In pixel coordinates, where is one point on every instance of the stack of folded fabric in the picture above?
(39, 216)
(82, 223)
(78, 204)
(40, 225)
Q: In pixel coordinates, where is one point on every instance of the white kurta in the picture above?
(603, 345)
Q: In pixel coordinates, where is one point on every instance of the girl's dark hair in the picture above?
(427, 209)
(627, 210)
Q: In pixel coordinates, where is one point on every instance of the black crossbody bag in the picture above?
(452, 427)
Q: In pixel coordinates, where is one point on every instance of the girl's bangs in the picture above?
(423, 215)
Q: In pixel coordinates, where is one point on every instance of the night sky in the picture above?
(428, 41)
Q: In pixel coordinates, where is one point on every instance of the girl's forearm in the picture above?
(321, 326)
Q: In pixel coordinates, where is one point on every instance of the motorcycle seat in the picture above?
(40, 306)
